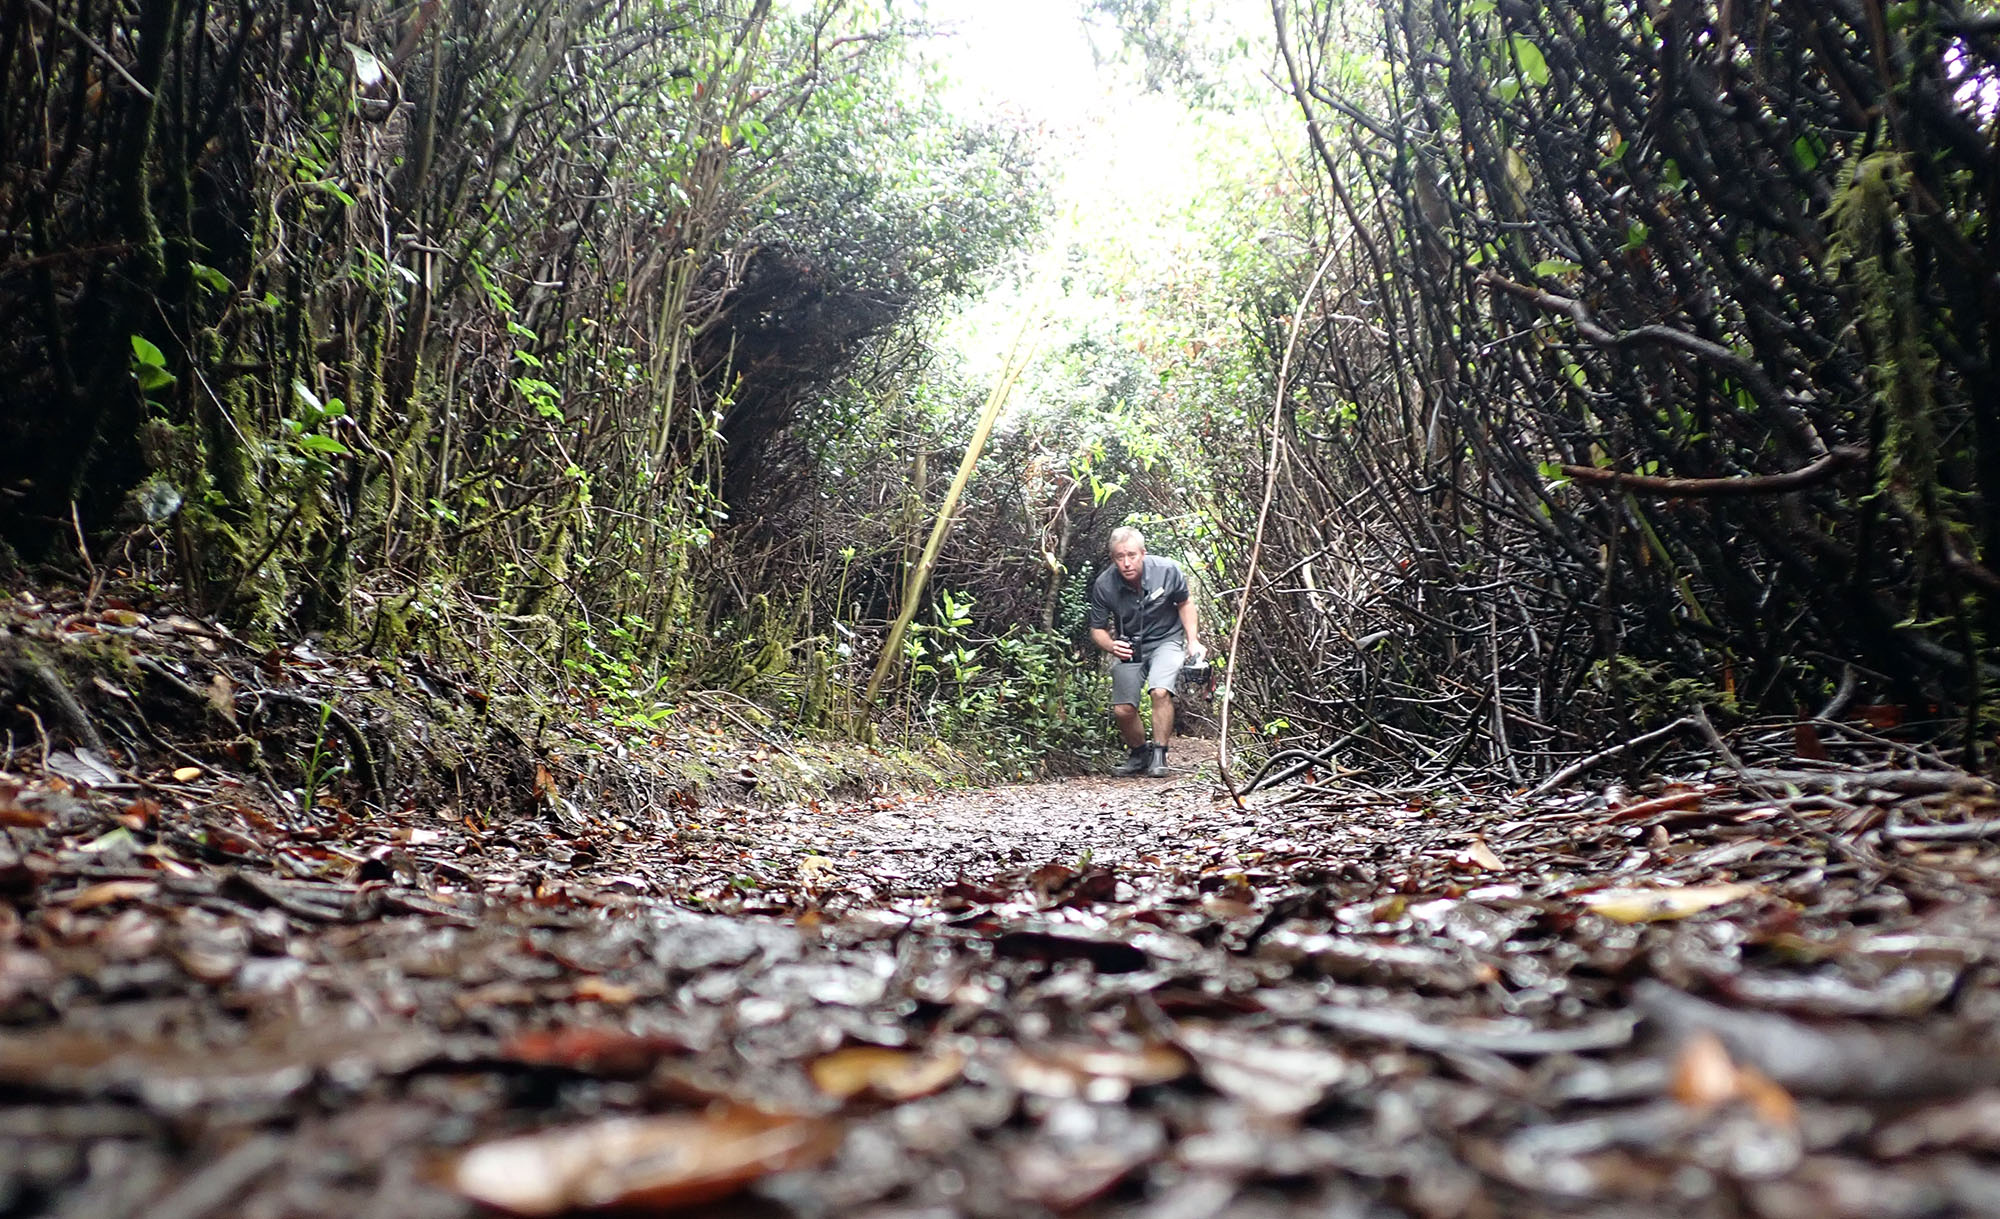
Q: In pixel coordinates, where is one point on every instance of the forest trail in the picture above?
(906, 847)
(1118, 998)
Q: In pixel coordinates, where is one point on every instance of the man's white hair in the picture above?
(1125, 533)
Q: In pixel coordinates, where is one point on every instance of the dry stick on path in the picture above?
(1264, 513)
(1010, 372)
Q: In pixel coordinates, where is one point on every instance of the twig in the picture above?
(1964, 831)
(96, 584)
(1604, 755)
(1264, 515)
(109, 60)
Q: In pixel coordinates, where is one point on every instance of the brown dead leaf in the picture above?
(595, 989)
(1148, 1064)
(1282, 1080)
(892, 1075)
(22, 818)
(641, 1162)
(1094, 1072)
(596, 1050)
(109, 891)
(1483, 856)
(1767, 1098)
(1671, 802)
(1654, 905)
(1219, 906)
(1807, 744)
(221, 694)
(1705, 1076)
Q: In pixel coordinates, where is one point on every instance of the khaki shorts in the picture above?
(1157, 668)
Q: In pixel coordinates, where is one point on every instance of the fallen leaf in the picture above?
(83, 766)
(187, 774)
(109, 891)
(641, 1162)
(1705, 1076)
(596, 1050)
(1278, 1079)
(21, 818)
(222, 696)
(1672, 802)
(894, 1075)
(1807, 744)
(1662, 904)
(1767, 1098)
(595, 988)
(1099, 1073)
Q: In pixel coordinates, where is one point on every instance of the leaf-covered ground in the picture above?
(1764, 989)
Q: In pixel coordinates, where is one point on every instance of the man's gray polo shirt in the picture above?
(1145, 615)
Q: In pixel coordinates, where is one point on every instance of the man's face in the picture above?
(1130, 559)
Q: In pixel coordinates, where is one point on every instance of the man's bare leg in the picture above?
(1163, 718)
(1130, 730)
(1163, 731)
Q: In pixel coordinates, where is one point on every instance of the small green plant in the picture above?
(311, 429)
(320, 766)
(149, 366)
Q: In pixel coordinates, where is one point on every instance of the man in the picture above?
(1141, 613)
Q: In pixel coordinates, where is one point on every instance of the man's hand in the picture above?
(1196, 652)
(1120, 648)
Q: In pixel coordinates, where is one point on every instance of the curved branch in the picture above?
(1837, 459)
(1753, 377)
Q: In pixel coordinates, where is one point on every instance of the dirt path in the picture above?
(1119, 998)
(913, 845)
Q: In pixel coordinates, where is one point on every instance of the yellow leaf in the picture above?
(187, 774)
(1659, 905)
(646, 1163)
(895, 1075)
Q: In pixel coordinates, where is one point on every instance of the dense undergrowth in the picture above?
(1638, 365)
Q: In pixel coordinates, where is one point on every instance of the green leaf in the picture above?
(315, 443)
(151, 378)
(210, 278)
(1556, 267)
(1534, 67)
(147, 355)
(1806, 150)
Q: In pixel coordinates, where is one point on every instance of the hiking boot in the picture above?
(1135, 762)
(1156, 763)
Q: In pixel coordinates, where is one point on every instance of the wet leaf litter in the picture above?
(1762, 993)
